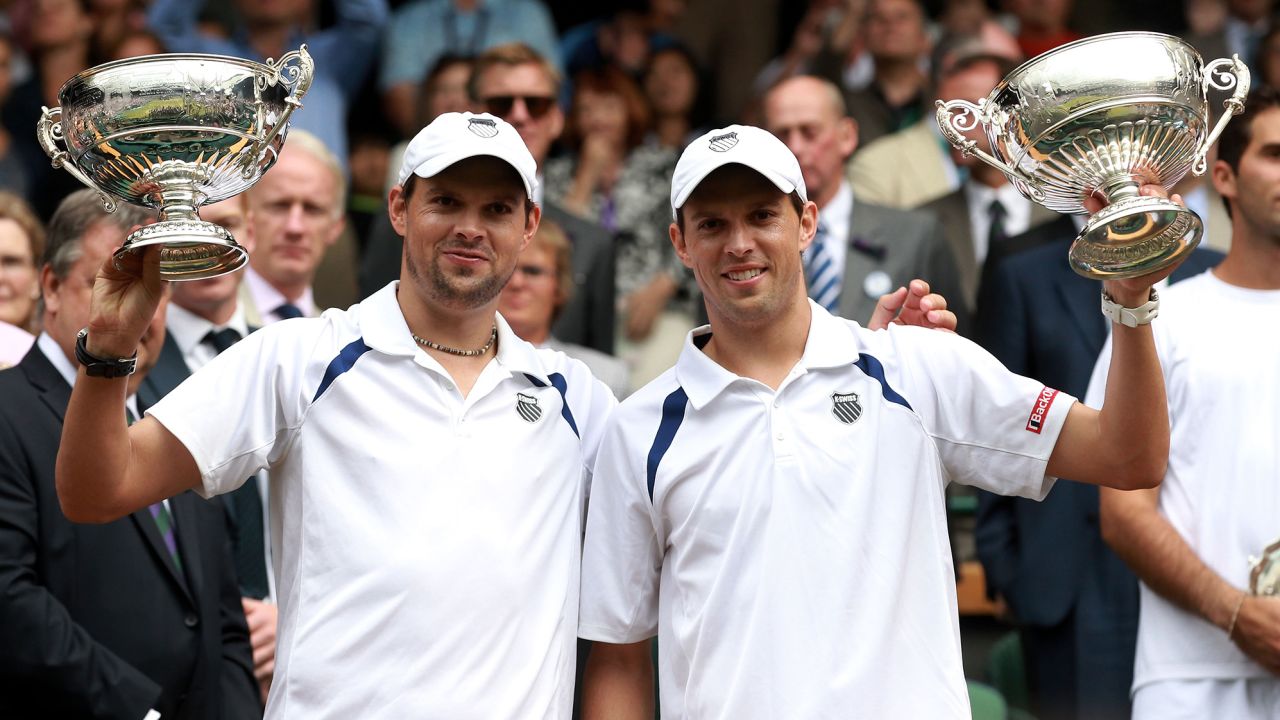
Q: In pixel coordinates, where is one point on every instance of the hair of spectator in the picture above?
(13, 207)
(1238, 133)
(957, 53)
(75, 215)
(793, 196)
(302, 140)
(510, 55)
(411, 182)
(551, 236)
(609, 80)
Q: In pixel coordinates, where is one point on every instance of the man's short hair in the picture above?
(1238, 133)
(510, 55)
(302, 140)
(75, 215)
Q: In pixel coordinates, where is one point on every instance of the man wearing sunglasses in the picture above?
(520, 86)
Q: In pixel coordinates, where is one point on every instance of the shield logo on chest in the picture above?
(846, 407)
(527, 407)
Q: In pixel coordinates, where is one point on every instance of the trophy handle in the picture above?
(298, 76)
(49, 134)
(954, 124)
(1222, 74)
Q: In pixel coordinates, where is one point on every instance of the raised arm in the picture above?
(1124, 445)
(107, 469)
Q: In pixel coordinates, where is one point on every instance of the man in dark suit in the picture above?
(1075, 602)
(517, 84)
(986, 208)
(137, 618)
(861, 251)
(204, 318)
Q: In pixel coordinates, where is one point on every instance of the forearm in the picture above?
(95, 451)
(1134, 418)
(1162, 559)
(618, 683)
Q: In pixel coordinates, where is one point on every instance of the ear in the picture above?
(335, 230)
(1224, 179)
(848, 129)
(808, 224)
(397, 209)
(247, 239)
(678, 242)
(49, 287)
(532, 220)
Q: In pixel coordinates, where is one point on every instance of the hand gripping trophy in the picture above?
(174, 132)
(1106, 115)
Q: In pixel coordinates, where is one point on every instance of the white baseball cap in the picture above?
(741, 144)
(454, 137)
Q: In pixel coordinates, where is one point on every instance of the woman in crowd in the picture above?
(610, 177)
(673, 85)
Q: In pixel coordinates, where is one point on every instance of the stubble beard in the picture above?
(458, 292)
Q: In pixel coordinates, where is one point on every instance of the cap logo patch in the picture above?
(527, 407)
(845, 407)
(725, 142)
(484, 127)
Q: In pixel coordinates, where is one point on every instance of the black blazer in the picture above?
(1042, 320)
(96, 621)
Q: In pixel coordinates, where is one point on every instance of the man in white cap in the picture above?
(772, 507)
(426, 465)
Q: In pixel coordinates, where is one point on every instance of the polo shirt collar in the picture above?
(384, 329)
(831, 343)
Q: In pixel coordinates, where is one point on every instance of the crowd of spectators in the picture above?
(612, 94)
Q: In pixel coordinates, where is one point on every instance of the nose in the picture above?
(469, 225)
(295, 221)
(739, 243)
(519, 112)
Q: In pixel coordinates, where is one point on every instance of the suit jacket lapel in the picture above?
(953, 213)
(184, 511)
(146, 524)
(54, 391)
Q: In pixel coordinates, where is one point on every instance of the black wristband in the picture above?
(95, 366)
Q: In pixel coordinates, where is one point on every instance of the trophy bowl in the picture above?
(1104, 116)
(174, 132)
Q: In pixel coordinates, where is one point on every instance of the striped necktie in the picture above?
(821, 272)
(164, 520)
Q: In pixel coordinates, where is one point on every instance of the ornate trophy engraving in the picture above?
(175, 132)
(1106, 115)
(1264, 578)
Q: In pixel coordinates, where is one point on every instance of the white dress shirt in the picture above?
(836, 219)
(266, 298)
(188, 330)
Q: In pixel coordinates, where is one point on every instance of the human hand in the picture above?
(913, 305)
(262, 617)
(124, 302)
(1132, 292)
(1257, 631)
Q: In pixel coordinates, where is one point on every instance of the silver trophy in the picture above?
(175, 132)
(1264, 572)
(1106, 115)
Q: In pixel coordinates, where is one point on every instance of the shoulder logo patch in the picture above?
(484, 127)
(1040, 410)
(725, 142)
(527, 407)
(846, 407)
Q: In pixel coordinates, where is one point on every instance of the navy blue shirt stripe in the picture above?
(344, 362)
(872, 368)
(559, 383)
(672, 415)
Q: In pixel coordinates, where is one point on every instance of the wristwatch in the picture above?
(95, 366)
(1131, 317)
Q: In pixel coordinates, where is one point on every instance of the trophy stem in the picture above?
(1121, 188)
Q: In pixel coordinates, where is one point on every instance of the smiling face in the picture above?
(463, 229)
(742, 237)
(18, 287)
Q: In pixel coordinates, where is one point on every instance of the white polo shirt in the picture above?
(429, 545)
(790, 548)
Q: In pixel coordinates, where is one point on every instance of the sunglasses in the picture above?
(501, 105)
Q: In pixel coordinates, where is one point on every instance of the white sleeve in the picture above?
(994, 429)
(236, 415)
(622, 558)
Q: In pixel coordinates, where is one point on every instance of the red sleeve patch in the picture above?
(1040, 410)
